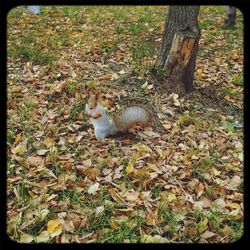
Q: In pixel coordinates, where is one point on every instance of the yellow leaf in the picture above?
(54, 227)
(171, 197)
(215, 171)
(16, 89)
(18, 138)
(91, 84)
(48, 142)
(233, 205)
(135, 156)
(227, 98)
(167, 125)
(19, 149)
(199, 71)
(142, 148)
(105, 77)
(130, 167)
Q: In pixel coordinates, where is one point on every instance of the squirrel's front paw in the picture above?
(97, 115)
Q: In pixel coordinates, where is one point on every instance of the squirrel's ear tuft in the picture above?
(87, 94)
(97, 96)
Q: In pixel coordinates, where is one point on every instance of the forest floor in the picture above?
(184, 185)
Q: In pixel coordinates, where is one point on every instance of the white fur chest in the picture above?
(101, 124)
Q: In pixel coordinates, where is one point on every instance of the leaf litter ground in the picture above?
(183, 185)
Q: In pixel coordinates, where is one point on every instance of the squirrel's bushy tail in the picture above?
(134, 114)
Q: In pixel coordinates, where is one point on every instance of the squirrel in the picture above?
(130, 116)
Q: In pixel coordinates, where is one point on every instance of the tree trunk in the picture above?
(179, 48)
(230, 17)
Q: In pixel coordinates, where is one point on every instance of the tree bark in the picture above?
(230, 17)
(179, 48)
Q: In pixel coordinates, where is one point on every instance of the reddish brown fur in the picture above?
(92, 99)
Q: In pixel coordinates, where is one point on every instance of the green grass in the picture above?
(206, 24)
(238, 80)
(128, 229)
(141, 54)
(30, 49)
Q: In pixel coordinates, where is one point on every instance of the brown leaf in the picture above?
(152, 218)
(34, 161)
(207, 234)
(67, 165)
(87, 163)
(233, 205)
(199, 188)
(92, 173)
(48, 141)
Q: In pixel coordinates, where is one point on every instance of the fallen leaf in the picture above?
(132, 195)
(152, 218)
(122, 72)
(220, 203)
(43, 237)
(235, 181)
(42, 151)
(93, 188)
(199, 189)
(144, 85)
(48, 142)
(20, 148)
(215, 171)
(99, 209)
(92, 173)
(26, 238)
(198, 71)
(153, 239)
(207, 234)
(167, 125)
(54, 227)
(130, 167)
(87, 163)
(171, 197)
(233, 205)
(35, 161)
